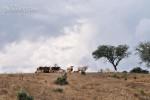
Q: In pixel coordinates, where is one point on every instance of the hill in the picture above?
(92, 86)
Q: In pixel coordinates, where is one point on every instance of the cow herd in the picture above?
(57, 69)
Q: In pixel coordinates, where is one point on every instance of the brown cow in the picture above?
(43, 69)
(55, 69)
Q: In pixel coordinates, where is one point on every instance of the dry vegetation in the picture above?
(92, 86)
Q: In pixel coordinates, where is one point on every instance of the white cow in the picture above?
(61, 71)
(107, 70)
(70, 69)
(82, 69)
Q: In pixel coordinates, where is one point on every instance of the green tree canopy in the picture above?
(113, 54)
(143, 50)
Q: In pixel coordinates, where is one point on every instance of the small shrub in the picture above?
(136, 95)
(11, 75)
(3, 92)
(125, 72)
(142, 92)
(139, 70)
(83, 73)
(125, 76)
(135, 77)
(115, 76)
(45, 81)
(62, 80)
(22, 95)
(60, 90)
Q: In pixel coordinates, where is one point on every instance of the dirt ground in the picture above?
(92, 86)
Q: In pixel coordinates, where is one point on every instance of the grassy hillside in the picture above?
(93, 86)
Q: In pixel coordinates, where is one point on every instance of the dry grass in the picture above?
(93, 86)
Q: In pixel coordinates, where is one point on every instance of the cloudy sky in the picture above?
(45, 32)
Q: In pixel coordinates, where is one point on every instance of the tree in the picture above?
(139, 70)
(111, 53)
(143, 50)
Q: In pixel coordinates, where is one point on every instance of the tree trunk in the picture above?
(115, 67)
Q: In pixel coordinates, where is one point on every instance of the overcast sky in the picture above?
(45, 32)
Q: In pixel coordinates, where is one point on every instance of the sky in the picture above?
(66, 32)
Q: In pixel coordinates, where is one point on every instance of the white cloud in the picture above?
(143, 27)
(143, 30)
(67, 49)
(67, 31)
